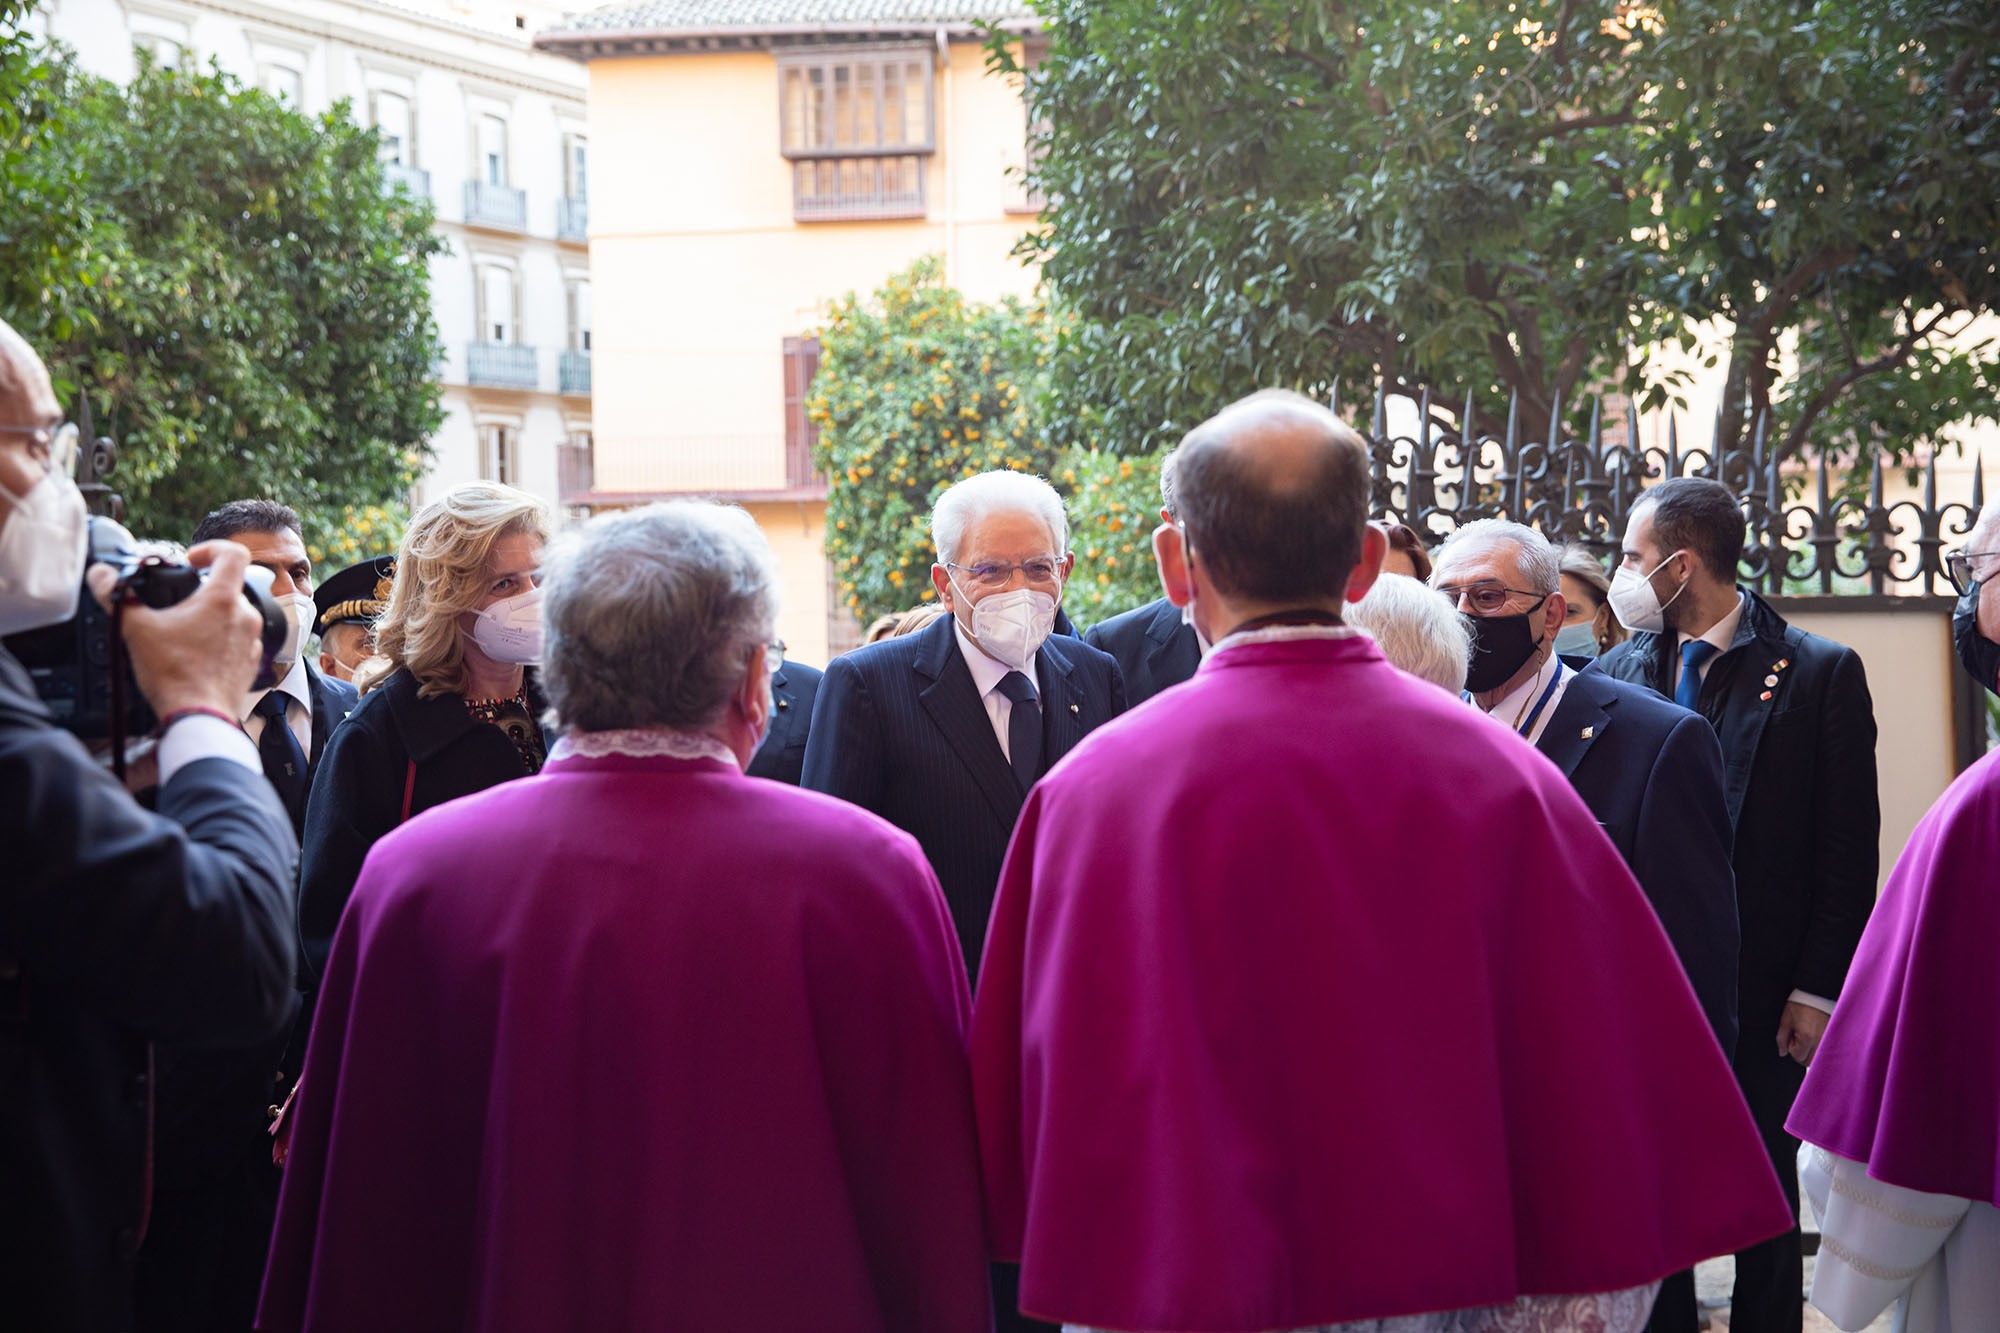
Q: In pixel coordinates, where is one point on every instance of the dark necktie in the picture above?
(1024, 728)
(1694, 653)
(284, 762)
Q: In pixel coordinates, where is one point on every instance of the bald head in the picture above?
(1273, 491)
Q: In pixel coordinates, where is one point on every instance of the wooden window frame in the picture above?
(836, 181)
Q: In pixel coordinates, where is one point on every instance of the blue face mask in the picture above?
(1579, 640)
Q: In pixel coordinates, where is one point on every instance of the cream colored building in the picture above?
(755, 160)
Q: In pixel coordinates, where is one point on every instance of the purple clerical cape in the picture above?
(638, 1043)
(1907, 1080)
(1312, 995)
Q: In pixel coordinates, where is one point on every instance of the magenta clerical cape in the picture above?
(641, 1043)
(1312, 995)
(1907, 1081)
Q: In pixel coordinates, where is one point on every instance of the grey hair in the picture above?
(1541, 564)
(1169, 497)
(990, 491)
(650, 614)
(1417, 628)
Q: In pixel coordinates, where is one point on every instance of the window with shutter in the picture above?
(857, 127)
(801, 365)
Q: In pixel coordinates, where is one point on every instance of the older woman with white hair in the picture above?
(641, 1042)
(1417, 629)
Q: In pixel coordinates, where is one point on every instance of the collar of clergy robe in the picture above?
(1306, 975)
(641, 1042)
(1907, 1079)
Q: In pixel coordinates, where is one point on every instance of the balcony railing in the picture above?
(572, 219)
(576, 470)
(501, 365)
(573, 372)
(490, 205)
(414, 179)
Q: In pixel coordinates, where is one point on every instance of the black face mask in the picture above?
(1978, 654)
(1500, 645)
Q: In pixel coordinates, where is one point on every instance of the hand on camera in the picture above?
(203, 652)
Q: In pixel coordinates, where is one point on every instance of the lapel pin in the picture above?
(1765, 697)
(1771, 679)
(787, 703)
(1587, 733)
(1783, 662)
(1072, 708)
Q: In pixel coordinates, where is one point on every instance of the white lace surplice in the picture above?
(1935, 1256)
(1611, 1312)
(643, 743)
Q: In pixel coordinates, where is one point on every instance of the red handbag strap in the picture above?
(409, 790)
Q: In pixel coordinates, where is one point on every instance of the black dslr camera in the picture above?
(79, 666)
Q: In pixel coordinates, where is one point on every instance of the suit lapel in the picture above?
(329, 710)
(1753, 674)
(1062, 704)
(1174, 652)
(954, 704)
(1580, 719)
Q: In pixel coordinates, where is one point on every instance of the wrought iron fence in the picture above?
(1809, 531)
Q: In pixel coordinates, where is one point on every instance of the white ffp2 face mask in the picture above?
(510, 630)
(1013, 626)
(299, 618)
(1635, 603)
(42, 554)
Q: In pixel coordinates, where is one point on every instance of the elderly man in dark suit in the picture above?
(942, 732)
(1154, 645)
(1797, 728)
(215, 1189)
(782, 756)
(1650, 772)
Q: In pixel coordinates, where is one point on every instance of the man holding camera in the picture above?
(118, 927)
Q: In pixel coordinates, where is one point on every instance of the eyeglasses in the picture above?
(1000, 573)
(774, 656)
(54, 446)
(1488, 599)
(1958, 567)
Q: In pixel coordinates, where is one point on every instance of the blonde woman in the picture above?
(1589, 629)
(449, 706)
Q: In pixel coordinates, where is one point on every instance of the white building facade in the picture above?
(493, 132)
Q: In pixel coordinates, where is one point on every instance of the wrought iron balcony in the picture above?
(490, 205)
(414, 179)
(573, 372)
(502, 365)
(572, 219)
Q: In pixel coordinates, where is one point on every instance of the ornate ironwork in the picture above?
(1831, 542)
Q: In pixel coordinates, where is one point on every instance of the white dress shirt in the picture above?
(204, 737)
(298, 708)
(1518, 702)
(987, 673)
(1722, 633)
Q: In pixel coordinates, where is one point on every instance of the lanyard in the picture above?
(1528, 727)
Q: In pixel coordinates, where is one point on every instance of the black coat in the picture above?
(899, 729)
(214, 1184)
(392, 738)
(1799, 781)
(1154, 649)
(1651, 772)
(117, 928)
(782, 756)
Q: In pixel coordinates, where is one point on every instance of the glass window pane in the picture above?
(867, 105)
(843, 106)
(496, 286)
(493, 150)
(915, 118)
(392, 123)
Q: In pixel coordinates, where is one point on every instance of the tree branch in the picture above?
(1795, 438)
